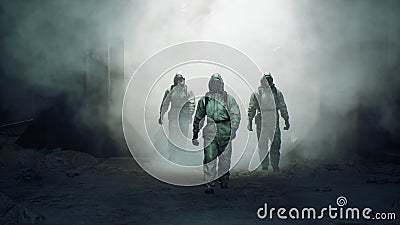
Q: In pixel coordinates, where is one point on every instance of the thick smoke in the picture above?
(333, 60)
(48, 47)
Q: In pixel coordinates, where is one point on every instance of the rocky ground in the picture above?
(67, 187)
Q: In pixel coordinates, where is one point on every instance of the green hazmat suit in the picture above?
(181, 104)
(223, 117)
(260, 107)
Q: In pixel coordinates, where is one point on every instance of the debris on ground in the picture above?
(299, 169)
(29, 175)
(383, 180)
(324, 189)
(12, 213)
(69, 158)
(15, 157)
(333, 167)
(396, 204)
(72, 173)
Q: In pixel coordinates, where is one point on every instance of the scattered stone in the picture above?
(53, 161)
(5, 204)
(72, 173)
(11, 213)
(350, 163)
(29, 175)
(29, 158)
(396, 204)
(325, 189)
(299, 169)
(14, 157)
(333, 167)
(69, 158)
(376, 180)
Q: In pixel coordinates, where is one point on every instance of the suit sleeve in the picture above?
(234, 113)
(200, 114)
(191, 103)
(253, 106)
(165, 103)
(281, 105)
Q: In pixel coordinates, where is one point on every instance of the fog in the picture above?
(328, 58)
(325, 58)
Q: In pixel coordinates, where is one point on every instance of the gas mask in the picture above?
(216, 84)
(179, 79)
(267, 80)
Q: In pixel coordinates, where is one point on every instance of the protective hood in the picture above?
(267, 79)
(216, 83)
(178, 78)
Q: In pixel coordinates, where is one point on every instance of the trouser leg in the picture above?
(224, 163)
(263, 149)
(275, 150)
(184, 128)
(210, 163)
(182, 142)
(173, 138)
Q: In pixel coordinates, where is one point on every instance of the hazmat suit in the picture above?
(180, 114)
(222, 114)
(268, 102)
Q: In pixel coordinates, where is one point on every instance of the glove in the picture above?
(160, 121)
(287, 125)
(250, 125)
(194, 140)
(233, 133)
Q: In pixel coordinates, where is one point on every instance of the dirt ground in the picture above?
(118, 191)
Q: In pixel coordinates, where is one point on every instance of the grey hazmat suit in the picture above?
(180, 114)
(260, 105)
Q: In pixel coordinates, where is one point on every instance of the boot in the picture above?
(209, 191)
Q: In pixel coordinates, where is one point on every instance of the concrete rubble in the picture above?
(12, 213)
(13, 156)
